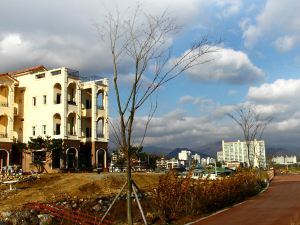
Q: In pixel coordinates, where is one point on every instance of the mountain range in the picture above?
(212, 149)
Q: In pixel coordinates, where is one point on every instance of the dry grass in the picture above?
(53, 187)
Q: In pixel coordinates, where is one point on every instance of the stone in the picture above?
(6, 214)
(3, 223)
(74, 205)
(97, 208)
(45, 219)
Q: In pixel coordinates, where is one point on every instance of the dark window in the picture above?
(58, 97)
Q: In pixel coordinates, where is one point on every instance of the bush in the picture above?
(176, 197)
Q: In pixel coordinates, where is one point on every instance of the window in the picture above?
(58, 97)
(57, 129)
(45, 99)
(44, 129)
(34, 101)
(33, 131)
(38, 76)
(56, 72)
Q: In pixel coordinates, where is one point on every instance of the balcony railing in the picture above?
(73, 73)
(99, 135)
(56, 132)
(3, 104)
(72, 133)
(71, 102)
(3, 135)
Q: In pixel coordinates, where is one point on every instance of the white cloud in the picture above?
(280, 100)
(281, 90)
(285, 43)
(278, 21)
(62, 33)
(227, 65)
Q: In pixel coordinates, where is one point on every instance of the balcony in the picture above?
(16, 111)
(3, 135)
(72, 133)
(3, 104)
(71, 102)
(100, 135)
(56, 132)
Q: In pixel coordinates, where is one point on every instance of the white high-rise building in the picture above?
(238, 152)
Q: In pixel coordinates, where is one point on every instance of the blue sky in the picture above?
(258, 61)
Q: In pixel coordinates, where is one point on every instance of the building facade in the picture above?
(284, 160)
(56, 103)
(238, 152)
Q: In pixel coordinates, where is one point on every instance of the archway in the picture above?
(72, 93)
(100, 97)
(4, 158)
(3, 126)
(72, 158)
(100, 159)
(71, 123)
(4, 91)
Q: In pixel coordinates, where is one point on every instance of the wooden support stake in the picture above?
(111, 205)
(139, 204)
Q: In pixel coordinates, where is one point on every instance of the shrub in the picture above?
(176, 197)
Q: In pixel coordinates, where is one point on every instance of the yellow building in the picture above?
(60, 104)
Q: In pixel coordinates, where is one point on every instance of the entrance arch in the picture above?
(4, 158)
(72, 158)
(101, 159)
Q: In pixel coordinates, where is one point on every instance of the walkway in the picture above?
(277, 206)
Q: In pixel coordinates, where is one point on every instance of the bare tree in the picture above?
(143, 42)
(253, 125)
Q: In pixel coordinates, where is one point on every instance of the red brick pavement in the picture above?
(276, 206)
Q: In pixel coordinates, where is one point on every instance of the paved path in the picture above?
(276, 206)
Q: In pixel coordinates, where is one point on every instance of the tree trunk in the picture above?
(129, 191)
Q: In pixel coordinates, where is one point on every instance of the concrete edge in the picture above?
(235, 205)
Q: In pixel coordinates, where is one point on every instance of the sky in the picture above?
(257, 61)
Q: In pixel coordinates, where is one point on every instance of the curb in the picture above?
(223, 210)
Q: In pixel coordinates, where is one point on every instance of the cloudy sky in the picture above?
(257, 61)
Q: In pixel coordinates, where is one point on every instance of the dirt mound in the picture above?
(53, 187)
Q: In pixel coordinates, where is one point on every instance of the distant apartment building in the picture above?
(284, 160)
(238, 152)
(186, 157)
(57, 103)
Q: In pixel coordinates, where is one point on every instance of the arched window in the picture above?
(4, 95)
(4, 158)
(100, 97)
(3, 126)
(100, 128)
(72, 123)
(56, 124)
(72, 94)
(57, 93)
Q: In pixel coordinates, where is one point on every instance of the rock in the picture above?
(74, 205)
(6, 214)
(34, 220)
(3, 223)
(45, 219)
(104, 208)
(150, 217)
(97, 208)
